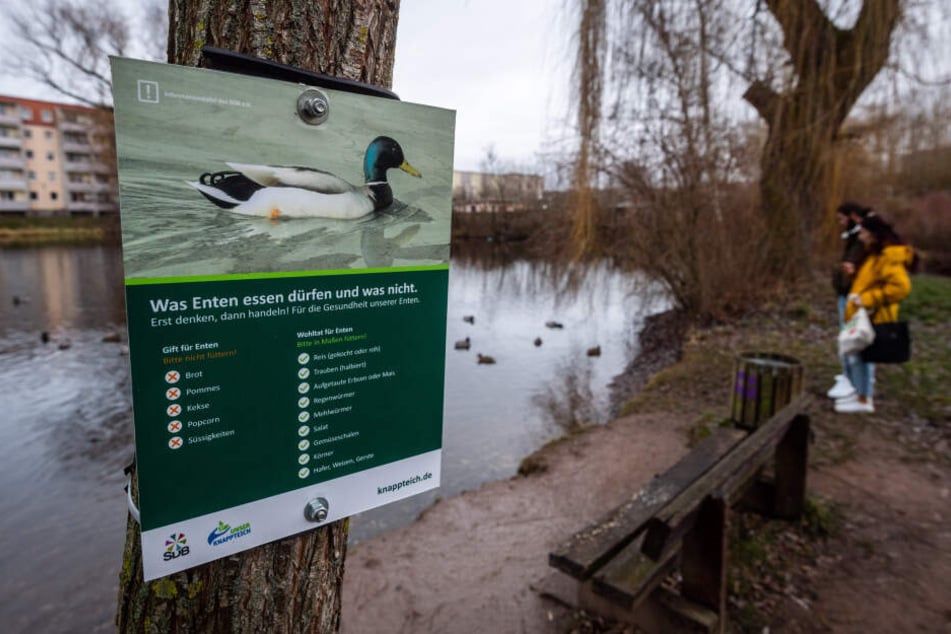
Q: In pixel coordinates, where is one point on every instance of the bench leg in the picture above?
(704, 556)
(792, 458)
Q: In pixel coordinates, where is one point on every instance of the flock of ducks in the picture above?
(466, 344)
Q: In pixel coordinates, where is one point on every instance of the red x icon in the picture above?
(172, 393)
(173, 410)
(172, 376)
(175, 426)
(175, 442)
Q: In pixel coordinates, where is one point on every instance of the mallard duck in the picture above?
(553, 324)
(594, 352)
(484, 358)
(276, 191)
(469, 319)
(463, 344)
(538, 341)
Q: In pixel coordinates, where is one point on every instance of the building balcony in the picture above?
(16, 162)
(89, 187)
(95, 208)
(19, 207)
(11, 142)
(13, 185)
(89, 167)
(72, 146)
(73, 126)
(10, 118)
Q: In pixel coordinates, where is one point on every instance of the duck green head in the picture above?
(382, 154)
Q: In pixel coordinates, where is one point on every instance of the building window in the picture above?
(28, 153)
(54, 196)
(52, 177)
(6, 196)
(46, 116)
(28, 134)
(48, 134)
(26, 113)
(31, 175)
(49, 156)
(33, 195)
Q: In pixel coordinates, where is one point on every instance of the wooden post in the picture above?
(703, 558)
(763, 383)
(792, 457)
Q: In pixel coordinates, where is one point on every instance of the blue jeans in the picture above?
(840, 304)
(861, 374)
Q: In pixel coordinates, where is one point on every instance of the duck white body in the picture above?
(276, 191)
(297, 202)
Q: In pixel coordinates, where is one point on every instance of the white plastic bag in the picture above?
(856, 334)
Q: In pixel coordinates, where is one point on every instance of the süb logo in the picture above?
(175, 546)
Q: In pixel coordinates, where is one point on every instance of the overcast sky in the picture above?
(501, 64)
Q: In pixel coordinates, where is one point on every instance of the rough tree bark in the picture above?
(292, 585)
(832, 67)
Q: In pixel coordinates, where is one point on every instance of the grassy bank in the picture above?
(29, 232)
(912, 396)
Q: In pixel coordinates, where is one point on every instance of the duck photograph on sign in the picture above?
(221, 174)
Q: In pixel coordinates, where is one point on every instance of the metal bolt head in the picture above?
(313, 107)
(316, 510)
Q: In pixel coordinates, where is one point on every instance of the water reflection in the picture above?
(66, 430)
(492, 417)
(65, 434)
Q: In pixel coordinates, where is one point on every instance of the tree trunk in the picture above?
(291, 585)
(832, 68)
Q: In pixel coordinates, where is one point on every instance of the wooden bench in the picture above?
(680, 520)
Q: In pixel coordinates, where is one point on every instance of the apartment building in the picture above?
(55, 159)
(480, 192)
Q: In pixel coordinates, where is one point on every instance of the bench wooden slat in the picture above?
(631, 575)
(589, 549)
(726, 478)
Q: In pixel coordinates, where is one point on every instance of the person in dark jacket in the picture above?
(849, 216)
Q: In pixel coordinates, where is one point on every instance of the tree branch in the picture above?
(762, 97)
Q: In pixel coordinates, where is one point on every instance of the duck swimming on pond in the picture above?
(278, 191)
(463, 344)
(594, 352)
(484, 358)
(469, 319)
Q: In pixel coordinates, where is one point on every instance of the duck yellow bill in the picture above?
(409, 169)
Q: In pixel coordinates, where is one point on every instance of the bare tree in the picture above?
(292, 585)
(65, 44)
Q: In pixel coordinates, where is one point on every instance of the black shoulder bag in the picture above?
(892, 343)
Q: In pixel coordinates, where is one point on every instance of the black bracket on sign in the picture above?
(231, 62)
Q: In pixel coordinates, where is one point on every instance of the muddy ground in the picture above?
(873, 557)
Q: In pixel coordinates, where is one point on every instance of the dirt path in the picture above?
(887, 567)
(476, 562)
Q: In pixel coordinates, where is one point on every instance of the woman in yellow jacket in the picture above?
(879, 285)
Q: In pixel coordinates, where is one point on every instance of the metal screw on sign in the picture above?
(316, 510)
(313, 106)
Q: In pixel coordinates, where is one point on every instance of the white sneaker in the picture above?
(842, 388)
(855, 407)
(854, 396)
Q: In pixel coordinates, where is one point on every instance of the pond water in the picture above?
(65, 429)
